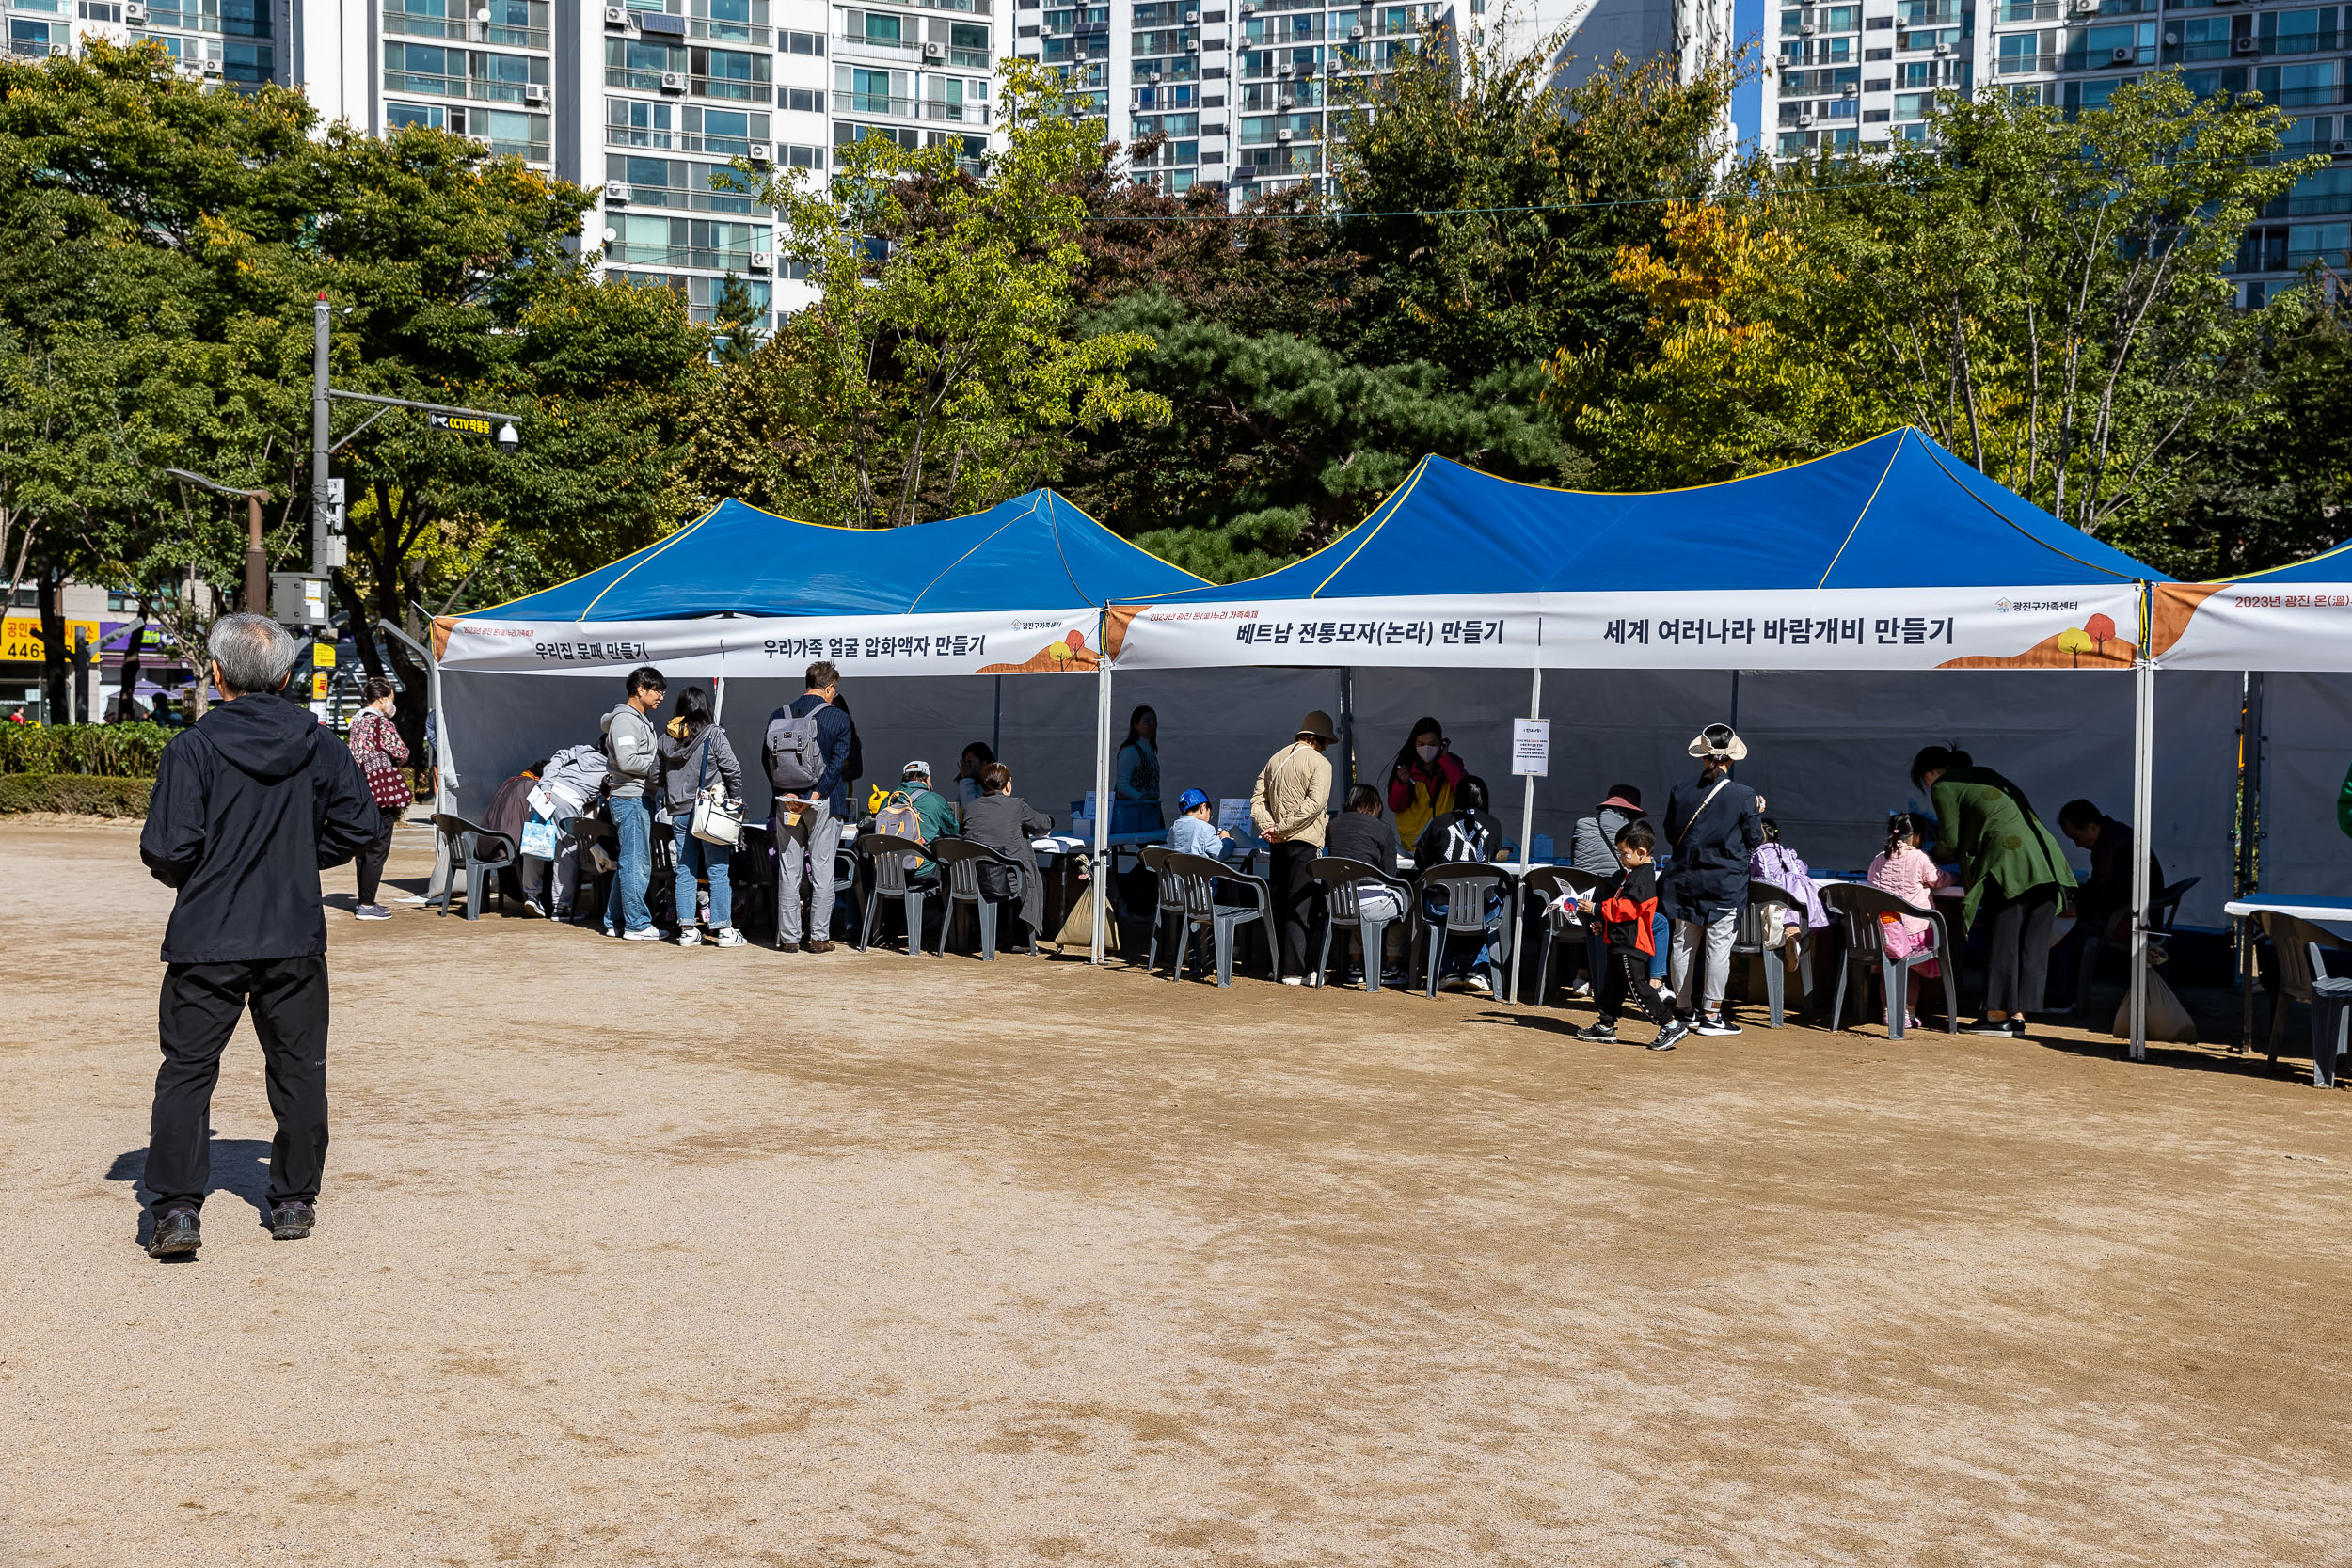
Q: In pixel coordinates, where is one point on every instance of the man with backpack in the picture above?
(915, 810)
(806, 754)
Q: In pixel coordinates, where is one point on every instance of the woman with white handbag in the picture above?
(703, 787)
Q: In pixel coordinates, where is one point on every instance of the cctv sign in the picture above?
(464, 425)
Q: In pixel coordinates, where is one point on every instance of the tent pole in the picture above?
(1527, 835)
(2144, 835)
(996, 728)
(1102, 803)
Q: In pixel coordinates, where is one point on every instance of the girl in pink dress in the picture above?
(1904, 870)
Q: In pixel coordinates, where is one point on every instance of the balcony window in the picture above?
(2205, 37)
(861, 91)
(2298, 32)
(729, 74)
(2298, 86)
(664, 240)
(639, 64)
(744, 20)
(2326, 244)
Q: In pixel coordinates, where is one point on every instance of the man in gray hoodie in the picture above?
(632, 751)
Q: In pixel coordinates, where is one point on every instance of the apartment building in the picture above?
(1238, 92)
(643, 102)
(1688, 32)
(1852, 77)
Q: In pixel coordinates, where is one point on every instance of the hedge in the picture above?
(79, 794)
(112, 750)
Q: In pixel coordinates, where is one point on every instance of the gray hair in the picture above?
(254, 653)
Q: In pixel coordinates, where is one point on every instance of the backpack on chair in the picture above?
(898, 819)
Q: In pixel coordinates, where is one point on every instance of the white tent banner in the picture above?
(2303, 626)
(2024, 628)
(999, 643)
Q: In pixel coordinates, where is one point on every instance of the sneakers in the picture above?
(290, 1221)
(372, 912)
(1715, 1023)
(689, 937)
(2006, 1026)
(643, 933)
(727, 936)
(1671, 1034)
(537, 907)
(1477, 981)
(1599, 1034)
(1294, 979)
(1580, 992)
(176, 1233)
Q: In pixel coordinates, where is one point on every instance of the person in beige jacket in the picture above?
(1287, 805)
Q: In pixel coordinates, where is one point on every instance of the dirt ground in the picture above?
(629, 1255)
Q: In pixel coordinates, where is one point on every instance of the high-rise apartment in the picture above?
(644, 101)
(1852, 77)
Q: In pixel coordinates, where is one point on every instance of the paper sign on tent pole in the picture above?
(1530, 748)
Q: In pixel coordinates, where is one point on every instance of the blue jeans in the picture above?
(633, 825)
(695, 857)
(1432, 905)
(1657, 960)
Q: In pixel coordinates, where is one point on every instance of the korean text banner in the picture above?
(2272, 622)
(1049, 642)
(2084, 627)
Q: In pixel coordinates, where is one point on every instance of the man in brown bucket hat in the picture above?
(1288, 806)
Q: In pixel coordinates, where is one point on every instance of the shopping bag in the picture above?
(539, 838)
(2167, 1021)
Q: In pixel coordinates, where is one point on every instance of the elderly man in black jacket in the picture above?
(1712, 826)
(248, 807)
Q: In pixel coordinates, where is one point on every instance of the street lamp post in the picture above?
(328, 550)
(256, 557)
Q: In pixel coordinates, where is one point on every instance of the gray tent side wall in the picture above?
(1830, 751)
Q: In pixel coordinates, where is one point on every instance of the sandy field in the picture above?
(629, 1255)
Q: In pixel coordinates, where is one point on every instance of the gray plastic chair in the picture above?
(1168, 903)
(2164, 906)
(1467, 886)
(467, 844)
(1197, 879)
(2292, 941)
(590, 888)
(963, 860)
(1859, 907)
(1343, 883)
(1547, 883)
(2331, 1011)
(1766, 902)
(886, 857)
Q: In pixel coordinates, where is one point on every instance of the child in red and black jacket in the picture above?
(1628, 914)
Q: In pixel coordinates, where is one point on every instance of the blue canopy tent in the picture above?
(747, 599)
(1892, 555)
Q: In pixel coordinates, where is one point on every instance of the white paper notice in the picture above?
(1531, 747)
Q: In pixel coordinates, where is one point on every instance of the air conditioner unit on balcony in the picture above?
(2245, 45)
(674, 81)
(2122, 55)
(535, 92)
(1281, 135)
(1283, 70)
(1807, 28)
(759, 152)
(616, 193)
(616, 16)
(1155, 76)
(2172, 40)
(2342, 148)
(212, 67)
(763, 260)
(1943, 51)
(934, 51)
(1355, 33)
(135, 16)
(1192, 19)
(1851, 91)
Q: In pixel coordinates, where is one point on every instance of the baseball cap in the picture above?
(917, 769)
(1191, 799)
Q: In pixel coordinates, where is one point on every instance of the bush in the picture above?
(112, 750)
(79, 794)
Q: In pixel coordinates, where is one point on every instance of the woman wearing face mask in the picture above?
(1423, 780)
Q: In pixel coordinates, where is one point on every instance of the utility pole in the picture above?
(328, 548)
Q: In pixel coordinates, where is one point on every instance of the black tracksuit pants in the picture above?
(196, 1014)
(1625, 978)
(1295, 902)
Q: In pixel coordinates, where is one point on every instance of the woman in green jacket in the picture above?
(2014, 872)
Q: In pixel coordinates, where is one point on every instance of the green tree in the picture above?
(944, 374)
(2045, 295)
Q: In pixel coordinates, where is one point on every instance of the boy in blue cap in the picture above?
(1193, 833)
